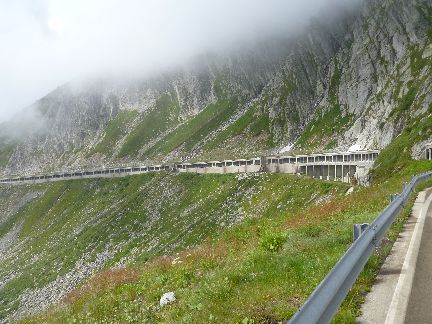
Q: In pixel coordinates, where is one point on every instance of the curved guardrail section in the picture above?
(323, 303)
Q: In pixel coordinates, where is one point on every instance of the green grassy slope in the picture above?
(260, 270)
(188, 135)
(108, 222)
(152, 124)
(115, 130)
(249, 133)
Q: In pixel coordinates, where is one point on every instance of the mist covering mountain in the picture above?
(354, 76)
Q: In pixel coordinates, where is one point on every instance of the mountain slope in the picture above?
(359, 77)
(53, 236)
(355, 77)
(77, 120)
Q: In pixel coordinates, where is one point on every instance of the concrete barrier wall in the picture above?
(333, 171)
(291, 168)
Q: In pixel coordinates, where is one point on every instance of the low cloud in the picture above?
(46, 43)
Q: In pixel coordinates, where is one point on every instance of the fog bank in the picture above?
(45, 43)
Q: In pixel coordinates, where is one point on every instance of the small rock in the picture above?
(349, 191)
(167, 298)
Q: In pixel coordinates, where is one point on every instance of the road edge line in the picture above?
(399, 304)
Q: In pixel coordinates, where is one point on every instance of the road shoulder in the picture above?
(388, 299)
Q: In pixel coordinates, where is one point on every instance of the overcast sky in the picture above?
(45, 43)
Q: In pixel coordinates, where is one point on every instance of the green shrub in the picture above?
(273, 242)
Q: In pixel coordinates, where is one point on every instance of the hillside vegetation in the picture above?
(260, 270)
(55, 235)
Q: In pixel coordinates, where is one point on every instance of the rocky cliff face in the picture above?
(369, 87)
(357, 78)
(386, 72)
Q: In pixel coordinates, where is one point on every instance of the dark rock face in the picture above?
(339, 84)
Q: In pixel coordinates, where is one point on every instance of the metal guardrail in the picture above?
(323, 303)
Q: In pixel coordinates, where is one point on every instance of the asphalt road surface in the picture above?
(420, 302)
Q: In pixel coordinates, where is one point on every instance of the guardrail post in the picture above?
(394, 197)
(358, 229)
